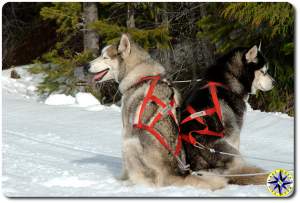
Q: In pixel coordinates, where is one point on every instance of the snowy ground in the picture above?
(75, 149)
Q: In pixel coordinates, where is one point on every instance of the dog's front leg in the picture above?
(124, 175)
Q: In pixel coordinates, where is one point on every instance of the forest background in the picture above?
(58, 38)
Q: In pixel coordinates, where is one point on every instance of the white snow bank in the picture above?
(248, 107)
(25, 86)
(60, 99)
(81, 99)
(86, 99)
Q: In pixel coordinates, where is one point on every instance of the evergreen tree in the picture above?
(66, 54)
(74, 31)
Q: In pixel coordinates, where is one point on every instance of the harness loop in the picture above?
(198, 115)
(166, 110)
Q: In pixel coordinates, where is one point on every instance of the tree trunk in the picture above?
(165, 54)
(91, 38)
(130, 22)
(208, 46)
(202, 49)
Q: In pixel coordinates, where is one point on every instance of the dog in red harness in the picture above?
(213, 111)
(152, 152)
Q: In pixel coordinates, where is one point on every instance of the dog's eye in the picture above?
(105, 57)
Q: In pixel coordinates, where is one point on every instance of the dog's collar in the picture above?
(212, 83)
(145, 79)
(134, 76)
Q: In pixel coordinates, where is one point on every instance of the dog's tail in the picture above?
(259, 176)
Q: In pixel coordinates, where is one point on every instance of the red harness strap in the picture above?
(207, 112)
(167, 108)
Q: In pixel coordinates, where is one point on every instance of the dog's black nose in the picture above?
(86, 68)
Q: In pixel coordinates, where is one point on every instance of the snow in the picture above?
(25, 86)
(86, 99)
(81, 99)
(69, 182)
(60, 99)
(75, 149)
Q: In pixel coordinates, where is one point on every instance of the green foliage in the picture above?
(277, 16)
(150, 38)
(65, 55)
(230, 25)
(244, 24)
(66, 16)
(147, 33)
(59, 72)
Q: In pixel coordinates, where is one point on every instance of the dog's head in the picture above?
(249, 67)
(126, 63)
(257, 65)
(108, 65)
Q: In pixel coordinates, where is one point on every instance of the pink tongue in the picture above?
(99, 75)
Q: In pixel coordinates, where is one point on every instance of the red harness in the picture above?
(166, 109)
(207, 112)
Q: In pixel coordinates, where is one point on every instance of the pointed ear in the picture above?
(259, 46)
(124, 46)
(252, 54)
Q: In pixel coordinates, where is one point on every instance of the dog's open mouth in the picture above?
(100, 75)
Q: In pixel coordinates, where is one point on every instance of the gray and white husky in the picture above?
(241, 72)
(145, 160)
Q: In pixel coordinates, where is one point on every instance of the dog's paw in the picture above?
(214, 181)
(123, 177)
(217, 183)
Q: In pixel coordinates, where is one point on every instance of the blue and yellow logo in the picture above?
(280, 183)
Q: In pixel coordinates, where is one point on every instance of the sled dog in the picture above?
(145, 159)
(233, 77)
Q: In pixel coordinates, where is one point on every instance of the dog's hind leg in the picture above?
(166, 175)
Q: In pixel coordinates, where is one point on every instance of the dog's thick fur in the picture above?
(242, 71)
(145, 160)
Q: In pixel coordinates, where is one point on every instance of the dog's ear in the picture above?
(259, 46)
(252, 54)
(124, 46)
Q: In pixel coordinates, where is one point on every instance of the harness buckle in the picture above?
(183, 166)
(198, 114)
